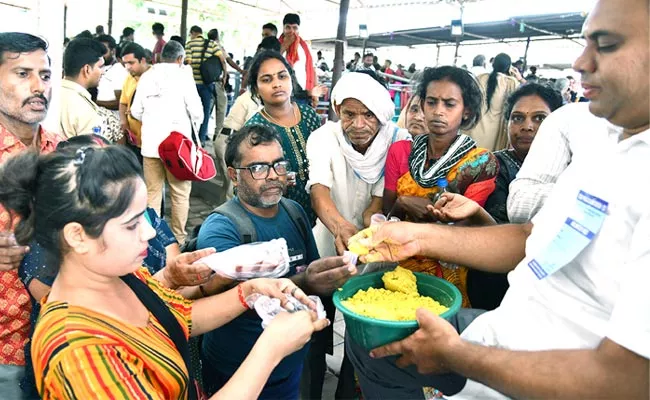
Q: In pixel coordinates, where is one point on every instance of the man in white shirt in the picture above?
(564, 135)
(347, 158)
(113, 77)
(478, 65)
(166, 100)
(575, 322)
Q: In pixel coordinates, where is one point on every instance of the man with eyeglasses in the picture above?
(259, 172)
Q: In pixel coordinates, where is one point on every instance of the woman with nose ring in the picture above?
(451, 100)
(270, 80)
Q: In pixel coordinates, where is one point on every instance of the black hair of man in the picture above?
(99, 30)
(158, 28)
(127, 32)
(18, 42)
(369, 55)
(133, 48)
(81, 52)
(84, 34)
(269, 43)
(254, 135)
(108, 39)
(271, 27)
(178, 39)
(291, 19)
(213, 34)
(196, 29)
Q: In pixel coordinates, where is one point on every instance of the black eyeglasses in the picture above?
(261, 171)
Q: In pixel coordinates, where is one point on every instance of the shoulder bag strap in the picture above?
(161, 311)
(238, 216)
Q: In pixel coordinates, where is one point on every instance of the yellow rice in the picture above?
(398, 302)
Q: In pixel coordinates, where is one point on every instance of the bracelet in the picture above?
(202, 290)
(240, 294)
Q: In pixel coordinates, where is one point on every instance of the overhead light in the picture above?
(457, 27)
(363, 31)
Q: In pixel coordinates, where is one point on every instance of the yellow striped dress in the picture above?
(82, 354)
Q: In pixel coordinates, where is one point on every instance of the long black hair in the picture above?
(79, 183)
(472, 95)
(502, 64)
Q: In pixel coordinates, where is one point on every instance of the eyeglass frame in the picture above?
(268, 169)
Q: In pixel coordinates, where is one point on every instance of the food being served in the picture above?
(397, 302)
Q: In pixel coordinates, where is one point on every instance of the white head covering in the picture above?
(372, 94)
(369, 166)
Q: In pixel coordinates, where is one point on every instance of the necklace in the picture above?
(270, 118)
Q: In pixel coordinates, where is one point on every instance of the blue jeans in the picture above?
(206, 93)
(382, 379)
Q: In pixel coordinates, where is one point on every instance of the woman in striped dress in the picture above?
(95, 337)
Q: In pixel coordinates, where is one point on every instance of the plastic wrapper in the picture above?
(268, 308)
(254, 260)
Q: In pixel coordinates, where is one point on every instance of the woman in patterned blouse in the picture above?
(94, 337)
(270, 80)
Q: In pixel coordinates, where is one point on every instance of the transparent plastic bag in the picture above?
(248, 261)
(268, 308)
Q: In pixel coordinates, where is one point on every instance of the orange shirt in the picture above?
(15, 304)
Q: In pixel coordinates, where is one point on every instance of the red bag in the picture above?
(186, 160)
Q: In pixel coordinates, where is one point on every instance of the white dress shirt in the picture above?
(565, 134)
(602, 292)
(166, 100)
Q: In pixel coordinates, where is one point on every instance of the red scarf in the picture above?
(292, 58)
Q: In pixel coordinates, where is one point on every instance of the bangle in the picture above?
(240, 294)
(203, 292)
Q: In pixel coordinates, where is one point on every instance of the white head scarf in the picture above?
(372, 94)
(369, 166)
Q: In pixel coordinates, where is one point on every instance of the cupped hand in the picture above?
(390, 241)
(327, 274)
(182, 272)
(415, 207)
(428, 348)
(342, 235)
(452, 207)
(279, 289)
(11, 253)
(289, 332)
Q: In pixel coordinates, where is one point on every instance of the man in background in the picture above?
(158, 30)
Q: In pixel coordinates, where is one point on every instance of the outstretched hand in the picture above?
(452, 207)
(390, 241)
(182, 272)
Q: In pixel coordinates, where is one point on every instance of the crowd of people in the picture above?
(525, 198)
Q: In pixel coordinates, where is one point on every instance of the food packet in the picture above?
(254, 260)
(268, 308)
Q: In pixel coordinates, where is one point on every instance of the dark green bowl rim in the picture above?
(453, 309)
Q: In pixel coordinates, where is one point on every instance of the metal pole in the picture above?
(363, 52)
(526, 55)
(184, 5)
(110, 16)
(456, 53)
(65, 21)
(438, 55)
(339, 48)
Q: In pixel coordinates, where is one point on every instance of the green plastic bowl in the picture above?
(371, 333)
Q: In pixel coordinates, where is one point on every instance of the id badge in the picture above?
(578, 230)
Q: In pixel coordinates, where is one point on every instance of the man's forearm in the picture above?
(492, 248)
(555, 374)
(111, 105)
(325, 208)
(122, 110)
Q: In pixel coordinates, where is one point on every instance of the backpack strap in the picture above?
(206, 43)
(238, 216)
(297, 217)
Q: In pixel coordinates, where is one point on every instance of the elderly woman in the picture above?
(412, 117)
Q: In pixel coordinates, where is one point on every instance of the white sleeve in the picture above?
(377, 189)
(193, 102)
(549, 155)
(320, 157)
(141, 93)
(237, 116)
(629, 324)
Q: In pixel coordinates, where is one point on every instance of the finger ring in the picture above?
(293, 291)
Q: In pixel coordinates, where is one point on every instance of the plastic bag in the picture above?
(254, 260)
(268, 308)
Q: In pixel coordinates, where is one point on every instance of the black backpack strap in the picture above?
(206, 43)
(296, 215)
(238, 215)
(161, 311)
